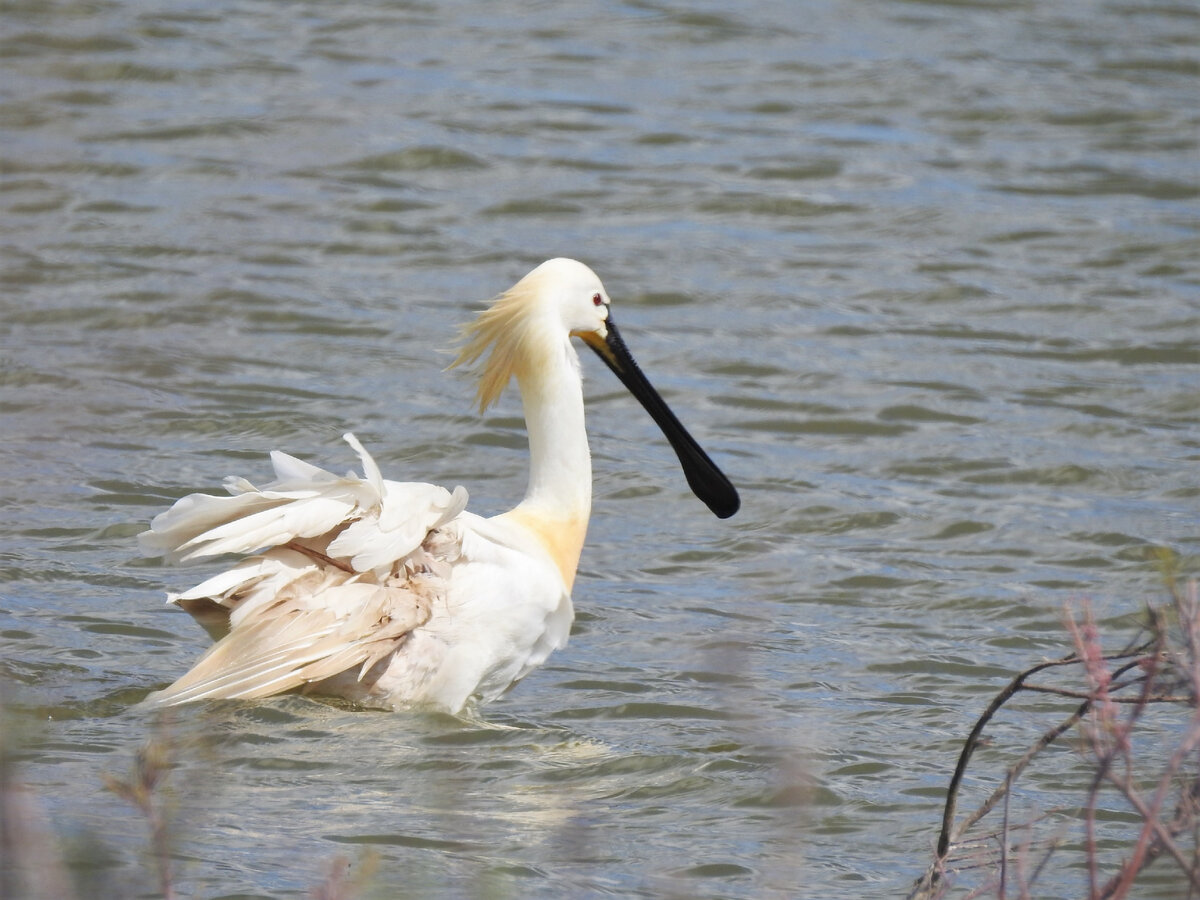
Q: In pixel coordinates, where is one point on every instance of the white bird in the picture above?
(389, 593)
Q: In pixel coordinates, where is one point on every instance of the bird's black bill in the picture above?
(703, 477)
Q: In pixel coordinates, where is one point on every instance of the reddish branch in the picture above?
(1119, 689)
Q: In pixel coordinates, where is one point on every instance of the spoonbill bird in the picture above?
(389, 593)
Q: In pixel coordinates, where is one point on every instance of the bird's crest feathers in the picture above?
(503, 332)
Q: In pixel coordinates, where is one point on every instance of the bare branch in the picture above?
(1161, 666)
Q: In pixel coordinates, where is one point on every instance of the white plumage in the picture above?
(390, 593)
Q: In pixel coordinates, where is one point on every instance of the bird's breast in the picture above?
(561, 537)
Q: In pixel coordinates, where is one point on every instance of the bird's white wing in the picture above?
(318, 625)
(296, 505)
(391, 529)
(372, 523)
(352, 564)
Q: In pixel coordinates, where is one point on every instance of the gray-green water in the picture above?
(923, 277)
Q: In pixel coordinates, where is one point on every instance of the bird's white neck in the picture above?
(560, 467)
(558, 499)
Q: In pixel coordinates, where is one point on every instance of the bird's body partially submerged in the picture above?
(390, 593)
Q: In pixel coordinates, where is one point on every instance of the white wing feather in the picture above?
(381, 522)
(407, 514)
(361, 569)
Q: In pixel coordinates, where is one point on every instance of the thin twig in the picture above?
(1131, 701)
(1047, 738)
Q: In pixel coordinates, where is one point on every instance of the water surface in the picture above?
(922, 277)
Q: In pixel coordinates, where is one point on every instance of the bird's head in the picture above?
(534, 318)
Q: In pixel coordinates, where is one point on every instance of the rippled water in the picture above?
(923, 277)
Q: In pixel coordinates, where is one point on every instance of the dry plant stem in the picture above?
(1109, 741)
(1107, 737)
(1119, 690)
(968, 750)
(1016, 685)
(932, 877)
(1187, 606)
(1154, 840)
(1048, 738)
(1156, 836)
(1127, 701)
(151, 765)
(1185, 819)
(1004, 838)
(925, 885)
(162, 852)
(1037, 872)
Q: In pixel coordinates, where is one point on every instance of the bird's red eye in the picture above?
(597, 300)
